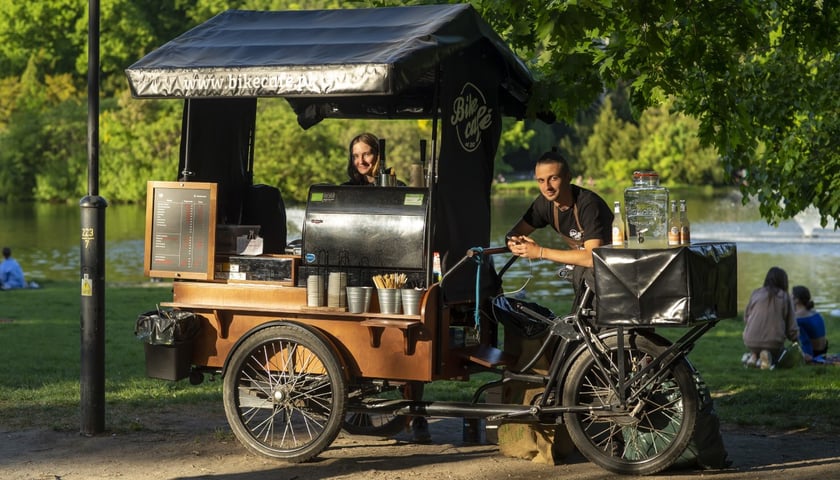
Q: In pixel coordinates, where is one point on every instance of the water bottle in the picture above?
(646, 205)
(619, 240)
(674, 226)
(685, 225)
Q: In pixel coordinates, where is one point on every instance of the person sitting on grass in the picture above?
(11, 275)
(811, 324)
(769, 320)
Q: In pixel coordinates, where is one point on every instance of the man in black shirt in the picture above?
(579, 215)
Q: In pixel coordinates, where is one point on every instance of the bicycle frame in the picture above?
(573, 334)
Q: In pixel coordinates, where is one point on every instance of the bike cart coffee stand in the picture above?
(293, 374)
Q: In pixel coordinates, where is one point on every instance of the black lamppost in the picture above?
(92, 270)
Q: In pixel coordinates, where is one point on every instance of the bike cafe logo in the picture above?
(470, 116)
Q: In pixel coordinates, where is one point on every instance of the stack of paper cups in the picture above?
(337, 290)
(315, 291)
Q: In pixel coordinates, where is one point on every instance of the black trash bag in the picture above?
(706, 449)
(166, 327)
(506, 311)
(707, 445)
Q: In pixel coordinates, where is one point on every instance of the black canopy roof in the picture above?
(330, 63)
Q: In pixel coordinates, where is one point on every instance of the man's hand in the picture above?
(524, 246)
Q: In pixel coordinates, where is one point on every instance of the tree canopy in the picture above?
(740, 89)
(760, 78)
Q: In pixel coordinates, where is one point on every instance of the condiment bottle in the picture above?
(618, 237)
(685, 225)
(674, 226)
(437, 273)
(646, 205)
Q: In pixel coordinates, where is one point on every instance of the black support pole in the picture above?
(92, 270)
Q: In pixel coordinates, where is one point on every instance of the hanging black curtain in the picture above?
(216, 146)
(471, 126)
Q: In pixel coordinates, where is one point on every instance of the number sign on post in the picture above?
(180, 230)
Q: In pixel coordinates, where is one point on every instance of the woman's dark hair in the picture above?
(804, 296)
(776, 279)
(371, 141)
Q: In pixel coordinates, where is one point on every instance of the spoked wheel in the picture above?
(284, 394)
(375, 424)
(652, 430)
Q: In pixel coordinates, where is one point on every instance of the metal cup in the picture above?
(389, 300)
(368, 294)
(411, 300)
(418, 179)
(387, 180)
(356, 299)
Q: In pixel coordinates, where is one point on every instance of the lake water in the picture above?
(46, 241)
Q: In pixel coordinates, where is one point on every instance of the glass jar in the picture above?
(646, 207)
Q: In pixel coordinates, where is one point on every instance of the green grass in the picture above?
(40, 358)
(799, 398)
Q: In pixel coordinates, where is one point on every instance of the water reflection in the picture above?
(46, 241)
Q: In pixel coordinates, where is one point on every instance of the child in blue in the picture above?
(811, 325)
(11, 275)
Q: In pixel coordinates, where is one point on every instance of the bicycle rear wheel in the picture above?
(649, 433)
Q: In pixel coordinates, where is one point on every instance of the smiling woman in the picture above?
(363, 164)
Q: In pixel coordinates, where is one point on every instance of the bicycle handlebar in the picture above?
(487, 251)
(473, 252)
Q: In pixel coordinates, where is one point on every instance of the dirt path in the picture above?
(203, 448)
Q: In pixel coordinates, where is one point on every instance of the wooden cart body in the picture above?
(374, 345)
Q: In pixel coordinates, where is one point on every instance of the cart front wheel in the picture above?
(284, 394)
(652, 429)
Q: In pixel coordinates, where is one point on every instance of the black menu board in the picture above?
(180, 230)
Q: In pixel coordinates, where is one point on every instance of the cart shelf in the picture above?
(409, 328)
